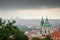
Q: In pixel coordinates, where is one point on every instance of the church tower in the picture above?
(46, 20)
(42, 21)
(46, 27)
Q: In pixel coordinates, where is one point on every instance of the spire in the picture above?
(42, 21)
(46, 19)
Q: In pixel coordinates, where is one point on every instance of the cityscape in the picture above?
(29, 19)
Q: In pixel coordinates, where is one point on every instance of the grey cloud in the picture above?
(29, 4)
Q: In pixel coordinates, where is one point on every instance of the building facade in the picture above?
(46, 27)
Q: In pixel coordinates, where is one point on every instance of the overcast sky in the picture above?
(30, 9)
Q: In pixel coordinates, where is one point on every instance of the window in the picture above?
(45, 31)
(40, 31)
(49, 31)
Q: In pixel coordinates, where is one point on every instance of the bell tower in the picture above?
(42, 21)
(46, 27)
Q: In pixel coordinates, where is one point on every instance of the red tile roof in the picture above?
(55, 35)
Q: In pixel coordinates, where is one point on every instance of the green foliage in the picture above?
(8, 31)
(0, 21)
(35, 38)
(47, 38)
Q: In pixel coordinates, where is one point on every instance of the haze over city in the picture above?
(29, 19)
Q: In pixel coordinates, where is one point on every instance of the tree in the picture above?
(35, 38)
(47, 38)
(8, 31)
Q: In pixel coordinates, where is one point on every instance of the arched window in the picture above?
(45, 30)
(40, 31)
(49, 31)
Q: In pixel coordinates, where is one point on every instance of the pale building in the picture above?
(46, 27)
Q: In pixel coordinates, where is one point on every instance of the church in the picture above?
(46, 27)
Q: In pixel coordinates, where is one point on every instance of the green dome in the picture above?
(47, 25)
